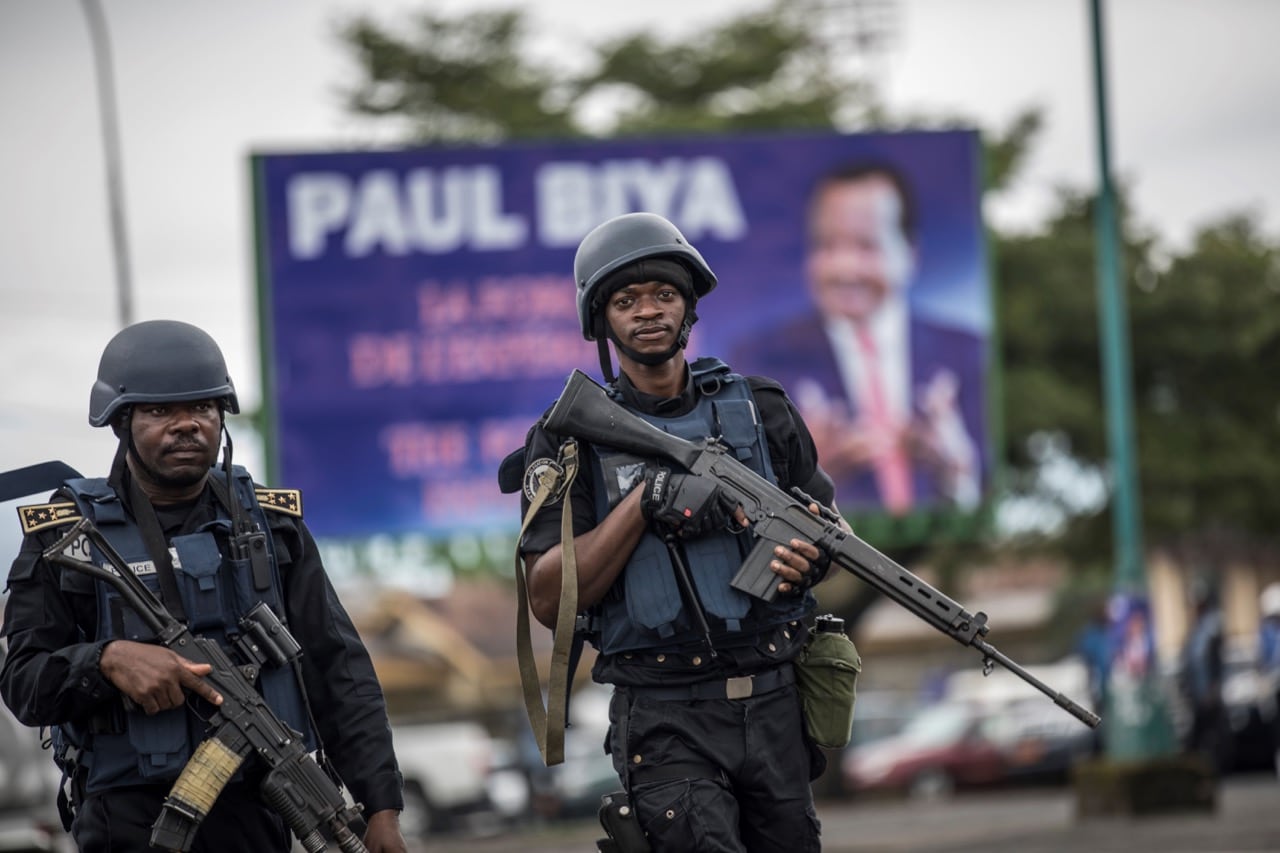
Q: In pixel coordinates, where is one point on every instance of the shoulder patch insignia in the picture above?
(287, 501)
(39, 516)
(540, 470)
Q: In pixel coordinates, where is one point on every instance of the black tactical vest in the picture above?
(644, 610)
(215, 592)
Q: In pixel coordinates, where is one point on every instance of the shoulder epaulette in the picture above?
(39, 516)
(288, 501)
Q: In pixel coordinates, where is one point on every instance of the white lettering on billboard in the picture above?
(319, 202)
(438, 211)
(491, 228)
(435, 209)
(710, 203)
(378, 221)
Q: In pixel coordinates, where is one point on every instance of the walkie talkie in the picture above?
(248, 540)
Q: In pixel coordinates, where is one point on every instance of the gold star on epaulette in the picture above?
(288, 501)
(39, 516)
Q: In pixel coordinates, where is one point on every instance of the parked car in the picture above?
(942, 748)
(508, 784)
(1039, 741)
(574, 788)
(446, 768)
(881, 713)
(963, 744)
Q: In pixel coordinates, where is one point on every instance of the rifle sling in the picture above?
(157, 548)
(548, 721)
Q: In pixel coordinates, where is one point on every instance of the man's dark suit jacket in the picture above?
(800, 352)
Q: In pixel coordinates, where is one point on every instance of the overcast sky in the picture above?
(1195, 134)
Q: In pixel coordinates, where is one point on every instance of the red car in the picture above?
(942, 748)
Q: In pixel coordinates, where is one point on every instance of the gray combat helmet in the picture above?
(159, 361)
(624, 240)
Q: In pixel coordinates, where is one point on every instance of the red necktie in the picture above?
(892, 468)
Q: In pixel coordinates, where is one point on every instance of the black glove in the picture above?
(691, 506)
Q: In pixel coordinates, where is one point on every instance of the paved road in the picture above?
(1030, 821)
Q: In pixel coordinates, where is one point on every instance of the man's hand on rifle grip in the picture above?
(153, 677)
(795, 565)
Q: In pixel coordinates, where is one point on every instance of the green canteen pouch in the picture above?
(827, 676)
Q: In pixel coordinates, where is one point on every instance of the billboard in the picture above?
(418, 308)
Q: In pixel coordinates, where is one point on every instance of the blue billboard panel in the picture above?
(419, 311)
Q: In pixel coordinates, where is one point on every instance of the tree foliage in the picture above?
(1204, 344)
(1207, 352)
(472, 78)
(455, 79)
(761, 71)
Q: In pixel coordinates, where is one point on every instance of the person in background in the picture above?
(127, 714)
(1269, 658)
(1202, 675)
(1094, 646)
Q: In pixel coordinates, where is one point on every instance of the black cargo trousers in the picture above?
(717, 775)
(119, 821)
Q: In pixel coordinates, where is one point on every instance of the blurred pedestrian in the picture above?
(1202, 675)
(1093, 644)
(1269, 661)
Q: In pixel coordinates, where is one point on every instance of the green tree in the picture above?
(455, 79)
(760, 71)
(1207, 351)
(1205, 341)
(471, 78)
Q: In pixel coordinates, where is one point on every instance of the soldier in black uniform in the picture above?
(163, 388)
(707, 737)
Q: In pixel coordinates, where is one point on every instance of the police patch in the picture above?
(542, 471)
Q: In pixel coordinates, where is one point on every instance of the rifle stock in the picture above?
(586, 411)
(294, 785)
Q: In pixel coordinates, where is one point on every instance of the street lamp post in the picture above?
(111, 156)
(1136, 718)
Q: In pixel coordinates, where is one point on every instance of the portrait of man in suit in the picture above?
(892, 395)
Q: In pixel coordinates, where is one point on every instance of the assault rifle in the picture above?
(585, 411)
(294, 784)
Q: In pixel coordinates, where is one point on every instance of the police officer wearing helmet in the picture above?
(706, 728)
(76, 653)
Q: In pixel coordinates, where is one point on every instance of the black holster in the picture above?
(619, 821)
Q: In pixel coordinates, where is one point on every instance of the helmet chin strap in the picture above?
(126, 446)
(606, 360)
(650, 359)
(118, 464)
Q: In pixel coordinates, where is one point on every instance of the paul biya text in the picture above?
(433, 211)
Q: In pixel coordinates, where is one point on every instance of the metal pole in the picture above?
(111, 151)
(1137, 723)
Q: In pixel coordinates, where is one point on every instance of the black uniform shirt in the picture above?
(50, 674)
(795, 463)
